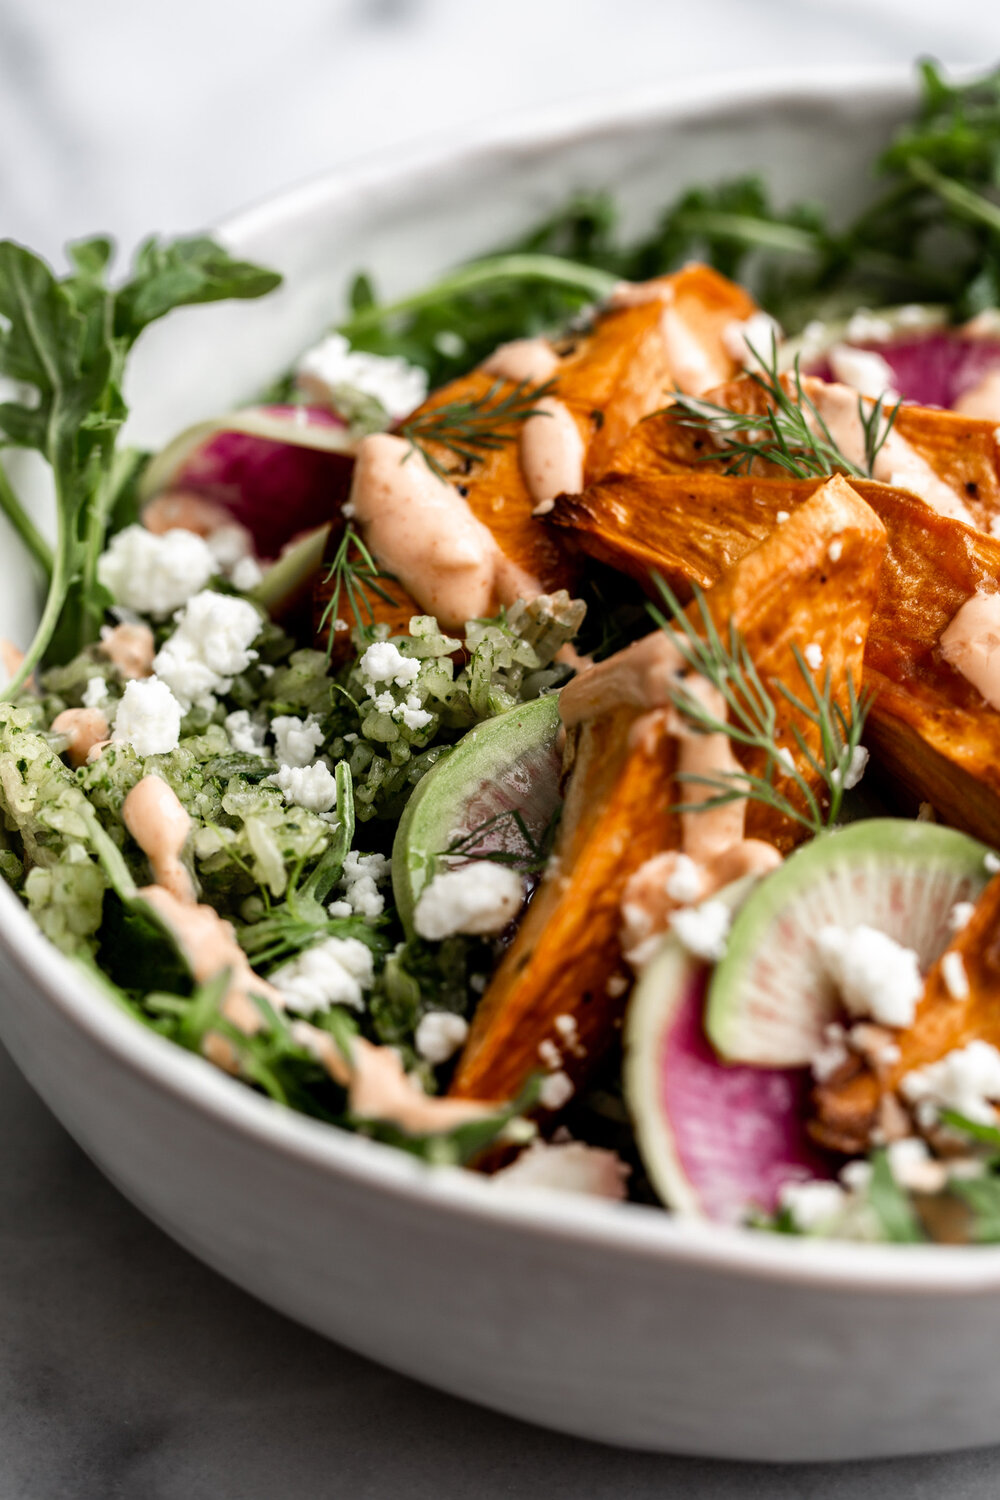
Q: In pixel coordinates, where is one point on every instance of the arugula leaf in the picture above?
(981, 1195)
(66, 341)
(891, 1205)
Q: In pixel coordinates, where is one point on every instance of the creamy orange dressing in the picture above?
(11, 659)
(184, 510)
(692, 366)
(423, 532)
(523, 360)
(640, 677)
(896, 463)
(983, 400)
(552, 454)
(131, 648)
(379, 1089)
(84, 728)
(639, 293)
(154, 816)
(971, 644)
(569, 656)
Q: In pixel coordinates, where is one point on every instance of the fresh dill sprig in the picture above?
(532, 862)
(752, 721)
(470, 429)
(355, 575)
(790, 432)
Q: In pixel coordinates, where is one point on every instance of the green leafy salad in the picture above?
(303, 765)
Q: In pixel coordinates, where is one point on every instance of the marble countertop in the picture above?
(127, 1370)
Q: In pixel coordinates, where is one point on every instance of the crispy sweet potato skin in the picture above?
(566, 958)
(847, 1107)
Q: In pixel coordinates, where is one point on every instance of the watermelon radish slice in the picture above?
(932, 364)
(770, 997)
(716, 1141)
(278, 470)
(505, 764)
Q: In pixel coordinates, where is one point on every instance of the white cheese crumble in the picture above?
(813, 1204)
(312, 787)
(481, 897)
(411, 714)
(961, 915)
(863, 370)
(835, 551)
(155, 574)
(684, 883)
(209, 647)
(384, 662)
(550, 1055)
(874, 975)
(566, 1167)
(782, 516)
(95, 693)
(866, 327)
(360, 880)
(965, 1080)
(335, 971)
(991, 863)
(832, 1054)
(854, 770)
(814, 656)
(913, 1167)
(148, 718)
(332, 365)
(703, 930)
(556, 1091)
(439, 1035)
(956, 981)
(246, 733)
(246, 574)
(296, 740)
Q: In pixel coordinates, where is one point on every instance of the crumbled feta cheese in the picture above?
(913, 1167)
(703, 930)
(566, 1167)
(384, 702)
(439, 1035)
(856, 1176)
(684, 883)
(964, 1080)
(155, 574)
(550, 1055)
(556, 1091)
(863, 370)
(567, 1029)
(835, 551)
(832, 1055)
(210, 645)
(956, 981)
(782, 516)
(854, 770)
(480, 897)
(784, 757)
(148, 718)
(814, 656)
(384, 662)
(752, 341)
(326, 370)
(961, 915)
(335, 971)
(95, 693)
(230, 545)
(312, 787)
(296, 740)
(991, 863)
(360, 881)
(411, 714)
(866, 327)
(246, 574)
(813, 1204)
(245, 733)
(875, 975)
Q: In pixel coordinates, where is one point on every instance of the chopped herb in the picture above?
(355, 576)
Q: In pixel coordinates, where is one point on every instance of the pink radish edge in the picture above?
(932, 369)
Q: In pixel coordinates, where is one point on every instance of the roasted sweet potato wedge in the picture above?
(623, 367)
(849, 1107)
(566, 959)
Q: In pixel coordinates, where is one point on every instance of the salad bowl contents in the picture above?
(552, 729)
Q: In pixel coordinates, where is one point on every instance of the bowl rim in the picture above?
(633, 1229)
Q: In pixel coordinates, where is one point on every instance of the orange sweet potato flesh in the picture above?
(609, 378)
(566, 958)
(847, 1107)
(928, 726)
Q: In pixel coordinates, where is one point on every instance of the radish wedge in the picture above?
(770, 999)
(505, 765)
(716, 1141)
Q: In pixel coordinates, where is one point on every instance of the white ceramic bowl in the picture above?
(607, 1321)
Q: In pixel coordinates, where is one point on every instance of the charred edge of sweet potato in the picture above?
(846, 1108)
